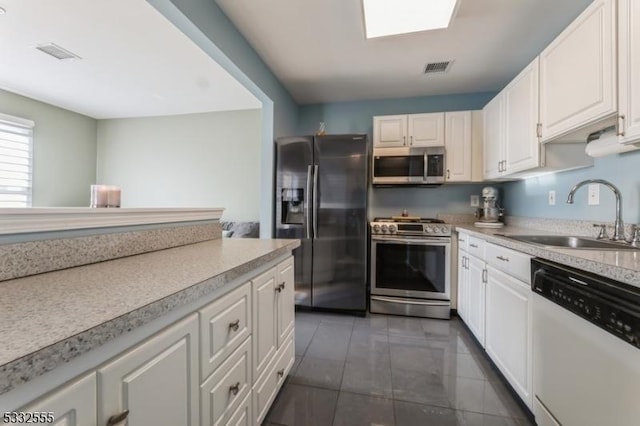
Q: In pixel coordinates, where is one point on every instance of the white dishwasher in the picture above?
(586, 356)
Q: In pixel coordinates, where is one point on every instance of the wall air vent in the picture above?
(435, 67)
(57, 51)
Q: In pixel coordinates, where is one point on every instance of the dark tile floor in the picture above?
(390, 371)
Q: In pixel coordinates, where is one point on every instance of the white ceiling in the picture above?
(318, 50)
(134, 62)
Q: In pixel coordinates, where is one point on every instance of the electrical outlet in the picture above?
(475, 201)
(594, 194)
(552, 198)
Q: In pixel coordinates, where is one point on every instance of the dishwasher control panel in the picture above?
(611, 306)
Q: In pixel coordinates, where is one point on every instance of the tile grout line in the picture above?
(393, 399)
(344, 366)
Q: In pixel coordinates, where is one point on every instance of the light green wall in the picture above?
(206, 25)
(195, 160)
(64, 151)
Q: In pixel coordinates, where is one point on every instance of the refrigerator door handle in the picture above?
(307, 211)
(315, 201)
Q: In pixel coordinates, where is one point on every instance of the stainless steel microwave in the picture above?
(408, 166)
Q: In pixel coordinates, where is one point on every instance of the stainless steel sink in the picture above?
(566, 241)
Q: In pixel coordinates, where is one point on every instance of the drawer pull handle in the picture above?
(280, 287)
(473, 245)
(234, 325)
(234, 389)
(118, 419)
(281, 373)
(504, 259)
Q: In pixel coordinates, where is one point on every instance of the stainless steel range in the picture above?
(410, 267)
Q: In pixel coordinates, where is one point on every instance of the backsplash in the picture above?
(423, 202)
(529, 197)
(35, 257)
(562, 226)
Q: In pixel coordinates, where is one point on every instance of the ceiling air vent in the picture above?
(57, 51)
(435, 67)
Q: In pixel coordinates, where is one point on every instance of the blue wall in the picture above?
(357, 117)
(529, 197)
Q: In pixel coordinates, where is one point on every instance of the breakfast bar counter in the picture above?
(48, 319)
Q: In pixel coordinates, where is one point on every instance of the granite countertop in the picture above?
(50, 318)
(620, 265)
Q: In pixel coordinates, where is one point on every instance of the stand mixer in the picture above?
(490, 214)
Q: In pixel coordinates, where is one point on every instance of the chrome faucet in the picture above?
(618, 233)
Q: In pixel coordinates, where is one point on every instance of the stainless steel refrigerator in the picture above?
(321, 198)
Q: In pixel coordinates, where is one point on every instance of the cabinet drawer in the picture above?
(267, 387)
(509, 261)
(223, 392)
(463, 241)
(476, 247)
(224, 325)
(242, 416)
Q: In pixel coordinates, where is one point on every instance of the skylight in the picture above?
(391, 17)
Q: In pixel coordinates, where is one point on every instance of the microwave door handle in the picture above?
(315, 201)
(307, 214)
(426, 161)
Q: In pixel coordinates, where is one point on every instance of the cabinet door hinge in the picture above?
(539, 130)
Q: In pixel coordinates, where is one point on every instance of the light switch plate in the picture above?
(552, 198)
(594, 194)
(475, 201)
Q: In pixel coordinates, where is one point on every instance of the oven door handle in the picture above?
(412, 302)
(421, 241)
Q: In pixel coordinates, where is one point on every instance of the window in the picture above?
(16, 161)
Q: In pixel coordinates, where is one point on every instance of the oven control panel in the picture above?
(411, 229)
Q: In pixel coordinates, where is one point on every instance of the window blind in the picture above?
(16, 161)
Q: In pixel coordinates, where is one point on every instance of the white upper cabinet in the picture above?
(458, 146)
(629, 70)
(460, 132)
(578, 73)
(426, 129)
(494, 136)
(390, 131)
(417, 130)
(522, 145)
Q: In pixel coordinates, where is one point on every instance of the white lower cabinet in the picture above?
(268, 385)
(199, 371)
(285, 299)
(471, 285)
(509, 330)
(243, 416)
(223, 392)
(495, 302)
(476, 283)
(463, 286)
(224, 325)
(273, 325)
(157, 381)
(264, 320)
(73, 404)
